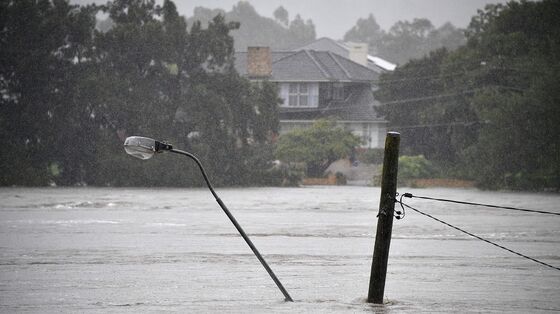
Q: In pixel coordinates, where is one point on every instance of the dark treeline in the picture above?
(490, 110)
(405, 40)
(280, 33)
(71, 94)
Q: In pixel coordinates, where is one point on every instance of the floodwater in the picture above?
(173, 250)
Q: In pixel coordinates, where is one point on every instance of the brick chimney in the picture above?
(259, 62)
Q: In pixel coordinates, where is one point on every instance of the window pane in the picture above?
(303, 100)
(284, 94)
(293, 88)
(303, 88)
(293, 100)
(314, 100)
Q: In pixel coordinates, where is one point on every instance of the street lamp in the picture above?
(146, 148)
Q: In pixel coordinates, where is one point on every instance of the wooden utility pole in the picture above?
(385, 218)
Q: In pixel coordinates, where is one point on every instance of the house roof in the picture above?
(311, 65)
(382, 63)
(307, 65)
(341, 48)
(327, 44)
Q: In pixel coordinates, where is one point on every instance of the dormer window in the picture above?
(304, 95)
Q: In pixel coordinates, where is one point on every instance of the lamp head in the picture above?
(144, 147)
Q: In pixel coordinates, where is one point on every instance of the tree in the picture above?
(188, 92)
(282, 16)
(318, 146)
(303, 31)
(257, 30)
(488, 110)
(71, 94)
(434, 117)
(368, 31)
(447, 36)
(518, 48)
(405, 40)
(43, 55)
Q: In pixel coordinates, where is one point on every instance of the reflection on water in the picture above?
(154, 250)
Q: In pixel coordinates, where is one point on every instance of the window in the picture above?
(303, 95)
(300, 94)
(294, 95)
(366, 138)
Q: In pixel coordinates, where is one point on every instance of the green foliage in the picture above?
(371, 156)
(437, 127)
(405, 40)
(318, 146)
(43, 46)
(282, 15)
(487, 111)
(302, 31)
(278, 34)
(340, 178)
(368, 31)
(71, 95)
(415, 167)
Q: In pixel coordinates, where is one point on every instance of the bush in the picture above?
(371, 156)
(415, 167)
(318, 146)
(340, 178)
(289, 174)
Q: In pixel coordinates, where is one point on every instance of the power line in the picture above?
(409, 195)
(411, 100)
(422, 77)
(475, 236)
(438, 96)
(459, 123)
(463, 72)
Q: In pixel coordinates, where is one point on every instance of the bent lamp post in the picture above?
(146, 148)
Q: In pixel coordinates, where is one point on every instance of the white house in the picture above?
(317, 84)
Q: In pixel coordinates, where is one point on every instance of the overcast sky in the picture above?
(332, 18)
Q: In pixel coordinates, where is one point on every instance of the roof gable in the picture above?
(311, 65)
(327, 44)
(358, 71)
(341, 48)
(299, 66)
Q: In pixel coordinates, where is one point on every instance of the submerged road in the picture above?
(173, 250)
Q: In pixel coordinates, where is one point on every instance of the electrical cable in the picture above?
(409, 195)
(403, 205)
